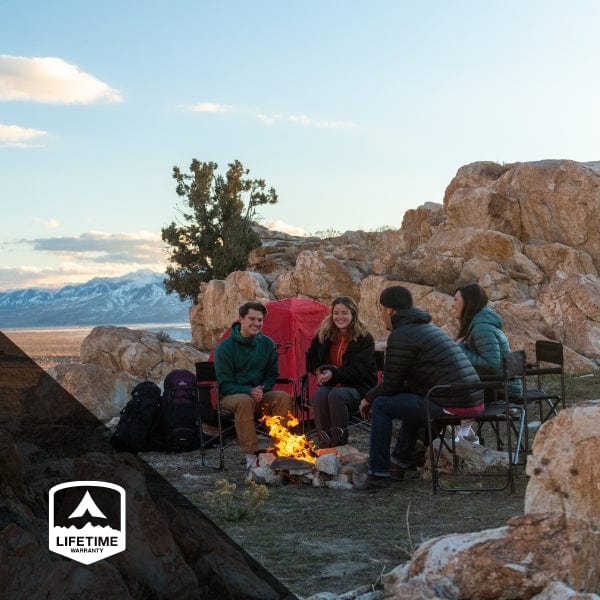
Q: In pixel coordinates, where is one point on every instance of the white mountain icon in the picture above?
(87, 504)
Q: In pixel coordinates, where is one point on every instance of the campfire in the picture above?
(294, 458)
(287, 443)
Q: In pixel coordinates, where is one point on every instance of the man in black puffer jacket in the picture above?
(418, 356)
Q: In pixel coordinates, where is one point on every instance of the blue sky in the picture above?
(353, 111)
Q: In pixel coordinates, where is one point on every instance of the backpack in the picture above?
(179, 414)
(137, 427)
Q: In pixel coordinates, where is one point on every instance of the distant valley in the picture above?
(138, 297)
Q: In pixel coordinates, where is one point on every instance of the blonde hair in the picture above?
(328, 329)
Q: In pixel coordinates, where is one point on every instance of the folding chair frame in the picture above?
(552, 353)
(506, 413)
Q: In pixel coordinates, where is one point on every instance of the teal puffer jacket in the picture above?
(486, 344)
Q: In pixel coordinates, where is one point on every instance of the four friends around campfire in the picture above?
(419, 355)
(481, 337)
(246, 368)
(342, 357)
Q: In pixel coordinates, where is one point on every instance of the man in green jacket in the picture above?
(246, 367)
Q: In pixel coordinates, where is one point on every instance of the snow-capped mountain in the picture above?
(138, 297)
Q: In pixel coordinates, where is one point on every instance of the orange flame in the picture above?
(287, 443)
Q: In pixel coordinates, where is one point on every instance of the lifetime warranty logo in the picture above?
(86, 520)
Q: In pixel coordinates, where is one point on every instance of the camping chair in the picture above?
(219, 418)
(549, 360)
(356, 419)
(503, 412)
(516, 366)
(208, 396)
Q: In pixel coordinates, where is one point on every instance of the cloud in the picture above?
(75, 259)
(50, 80)
(98, 247)
(13, 135)
(270, 118)
(279, 225)
(211, 107)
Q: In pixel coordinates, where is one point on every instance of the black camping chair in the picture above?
(504, 412)
(211, 413)
(549, 360)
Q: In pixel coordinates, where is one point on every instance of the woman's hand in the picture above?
(324, 376)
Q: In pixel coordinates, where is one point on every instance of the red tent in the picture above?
(292, 324)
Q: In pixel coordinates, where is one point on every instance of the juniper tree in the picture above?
(214, 234)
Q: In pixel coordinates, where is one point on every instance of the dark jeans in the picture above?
(332, 406)
(411, 410)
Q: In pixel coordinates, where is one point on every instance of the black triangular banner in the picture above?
(173, 550)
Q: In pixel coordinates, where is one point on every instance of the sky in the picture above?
(353, 111)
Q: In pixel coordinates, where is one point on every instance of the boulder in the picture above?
(512, 562)
(564, 467)
(142, 354)
(552, 547)
(571, 307)
(547, 201)
(100, 390)
(319, 275)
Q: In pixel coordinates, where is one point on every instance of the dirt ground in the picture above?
(321, 539)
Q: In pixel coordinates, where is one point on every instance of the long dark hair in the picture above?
(328, 329)
(474, 299)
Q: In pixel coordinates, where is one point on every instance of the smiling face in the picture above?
(458, 304)
(252, 323)
(342, 317)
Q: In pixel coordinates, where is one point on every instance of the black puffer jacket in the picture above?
(358, 370)
(420, 355)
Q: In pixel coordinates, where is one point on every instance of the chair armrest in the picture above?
(544, 371)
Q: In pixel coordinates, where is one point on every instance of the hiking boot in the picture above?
(400, 472)
(373, 483)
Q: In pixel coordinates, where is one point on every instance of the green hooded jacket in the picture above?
(242, 363)
(486, 344)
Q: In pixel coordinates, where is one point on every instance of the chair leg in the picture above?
(522, 431)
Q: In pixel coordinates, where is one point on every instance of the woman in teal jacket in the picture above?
(480, 333)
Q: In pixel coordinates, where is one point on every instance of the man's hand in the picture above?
(365, 409)
(256, 393)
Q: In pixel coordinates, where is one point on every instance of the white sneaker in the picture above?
(465, 432)
(471, 437)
